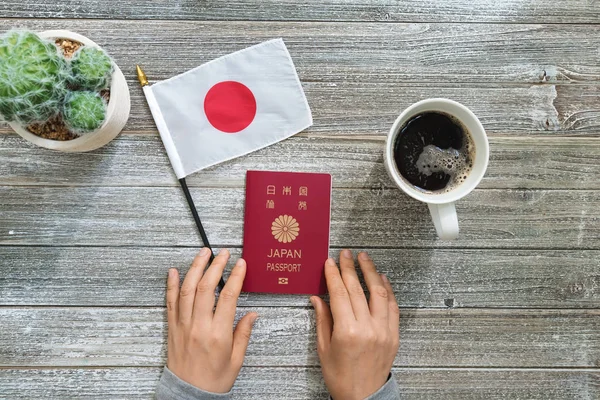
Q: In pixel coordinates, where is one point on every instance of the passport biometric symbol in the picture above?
(285, 228)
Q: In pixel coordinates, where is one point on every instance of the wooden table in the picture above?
(511, 310)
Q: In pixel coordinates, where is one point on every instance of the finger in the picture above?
(172, 297)
(225, 312)
(324, 323)
(241, 337)
(188, 288)
(341, 309)
(378, 294)
(355, 290)
(205, 291)
(394, 311)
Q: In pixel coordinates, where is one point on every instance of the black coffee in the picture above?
(434, 152)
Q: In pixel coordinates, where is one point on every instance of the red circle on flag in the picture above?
(230, 106)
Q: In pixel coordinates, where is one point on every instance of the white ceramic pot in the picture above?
(117, 112)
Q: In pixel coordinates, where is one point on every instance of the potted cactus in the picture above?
(60, 90)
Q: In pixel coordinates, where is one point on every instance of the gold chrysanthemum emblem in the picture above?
(285, 228)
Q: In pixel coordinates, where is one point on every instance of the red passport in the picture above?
(286, 232)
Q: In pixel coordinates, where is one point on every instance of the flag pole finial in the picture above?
(141, 76)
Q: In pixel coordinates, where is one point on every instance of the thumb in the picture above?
(324, 322)
(241, 337)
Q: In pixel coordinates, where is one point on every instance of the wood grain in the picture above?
(151, 216)
(371, 108)
(509, 311)
(356, 54)
(368, 109)
(359, 79)
(569, 11)
(108, 276)
(285, 336)
(140, 160)
(300, 383)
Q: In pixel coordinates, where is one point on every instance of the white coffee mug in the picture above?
(441, 206)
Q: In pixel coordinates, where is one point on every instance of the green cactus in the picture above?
(33, 78)
(91, 68)
(84, 111)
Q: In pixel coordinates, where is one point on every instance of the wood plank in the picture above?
(141, 216)
(509, 110)
(358, 80)
(283, 336)
(470, 384)
(140, 160)
(306, 383)
(570, 11)
(101, 276)
(357, 53)
(361, 109)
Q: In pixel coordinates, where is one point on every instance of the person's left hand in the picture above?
(203, 349)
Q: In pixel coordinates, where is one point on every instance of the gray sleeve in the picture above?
(171, 387)
(389, 391)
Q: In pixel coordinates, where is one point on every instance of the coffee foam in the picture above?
(453, 162)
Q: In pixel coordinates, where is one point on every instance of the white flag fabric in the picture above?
(229, 107)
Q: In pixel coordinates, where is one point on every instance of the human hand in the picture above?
(203, 349)
(357, 340)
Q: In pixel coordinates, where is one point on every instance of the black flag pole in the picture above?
(190, 201)
(144, 82)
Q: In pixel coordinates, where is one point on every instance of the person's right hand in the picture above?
(203, 348)
(357, 340)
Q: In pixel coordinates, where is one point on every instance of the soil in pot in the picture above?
(55, 128)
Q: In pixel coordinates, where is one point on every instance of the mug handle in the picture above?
(445, 220)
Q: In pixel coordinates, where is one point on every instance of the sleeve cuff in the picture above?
(171, 387)
(389, 391)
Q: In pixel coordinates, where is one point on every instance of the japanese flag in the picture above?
(229, 107)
